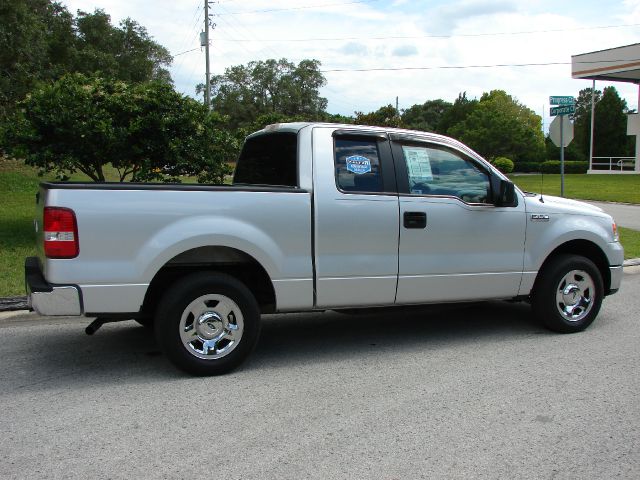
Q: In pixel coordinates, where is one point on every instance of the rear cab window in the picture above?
(357, 164)
(269, 159)
(363, 163)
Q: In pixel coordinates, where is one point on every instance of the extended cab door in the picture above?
(356, 218)
(454, 243)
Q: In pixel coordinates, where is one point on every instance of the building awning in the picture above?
(621, 64)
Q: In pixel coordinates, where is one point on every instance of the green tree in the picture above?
(244, 92)
(337, 118)
(126, 52)
(571, 152)
(582, 121)
(36, 37)
(501, 126)
(610, 126)
(147, 131)
(459, 111)
(386, 116)
(427, 116)
(40, 41)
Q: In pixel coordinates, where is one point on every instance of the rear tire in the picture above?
(208, 323)
(568, 294)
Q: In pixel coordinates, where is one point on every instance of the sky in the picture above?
(371, 34)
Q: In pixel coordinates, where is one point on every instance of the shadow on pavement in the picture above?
(288, 340)
(62, 356)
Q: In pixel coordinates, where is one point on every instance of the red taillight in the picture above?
(60, 233)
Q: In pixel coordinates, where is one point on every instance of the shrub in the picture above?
(553, 166)
(146, 131)
(504, 164)
(527, 167)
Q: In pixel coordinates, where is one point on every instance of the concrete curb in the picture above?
(9, 304)
(15, 314)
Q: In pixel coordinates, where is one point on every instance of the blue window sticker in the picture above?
(358, 164)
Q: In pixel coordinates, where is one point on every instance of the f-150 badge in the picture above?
(358, 164)
(539, 217)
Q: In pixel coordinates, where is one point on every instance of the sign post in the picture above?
(561, 129)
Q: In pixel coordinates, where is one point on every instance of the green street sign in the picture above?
(562, 100)
(562, 110)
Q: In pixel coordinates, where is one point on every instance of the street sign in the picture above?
(561, 129)
(562, 100)
(565, 110)
(567, 131)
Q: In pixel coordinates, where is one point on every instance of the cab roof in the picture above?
(295, 127)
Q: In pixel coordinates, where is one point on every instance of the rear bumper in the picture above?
(46, 298)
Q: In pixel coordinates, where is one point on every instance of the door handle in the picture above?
(415, 219)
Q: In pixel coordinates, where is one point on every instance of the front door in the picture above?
(455, 245)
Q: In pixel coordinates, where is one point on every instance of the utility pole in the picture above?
(207, 89)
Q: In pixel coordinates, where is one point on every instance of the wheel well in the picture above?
(220, 259)
(589, 250)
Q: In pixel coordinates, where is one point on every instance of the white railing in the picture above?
(614, 164)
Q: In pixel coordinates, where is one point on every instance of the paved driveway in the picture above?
(476, 391)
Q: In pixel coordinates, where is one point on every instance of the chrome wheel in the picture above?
(211, 326)
(575, 295)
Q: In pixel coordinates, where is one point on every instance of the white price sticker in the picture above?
(418, 163)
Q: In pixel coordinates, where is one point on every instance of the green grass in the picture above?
(630, 240)
(608, 188)
(19, 184)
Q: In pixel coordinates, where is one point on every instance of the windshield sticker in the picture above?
(418, 163)
(358, 164)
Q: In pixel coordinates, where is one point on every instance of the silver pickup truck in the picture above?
(319, 216)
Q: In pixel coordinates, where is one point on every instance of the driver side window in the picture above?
(436, 170)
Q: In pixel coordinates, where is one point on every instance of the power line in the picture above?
(186, 51)
(300, 8)
(189, 38)
(413, 37)
(441, 67)
(186, 38)
(461, 67)
(240, 25)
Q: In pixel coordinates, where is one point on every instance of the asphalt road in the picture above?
(625, 215)
(478, 391)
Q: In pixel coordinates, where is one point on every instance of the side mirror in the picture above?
(503, 192)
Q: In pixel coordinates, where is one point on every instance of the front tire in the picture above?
(208, 323)
(568, 294)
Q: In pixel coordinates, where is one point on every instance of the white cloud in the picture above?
(354, 48)
(447, 17)
(404, 51)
